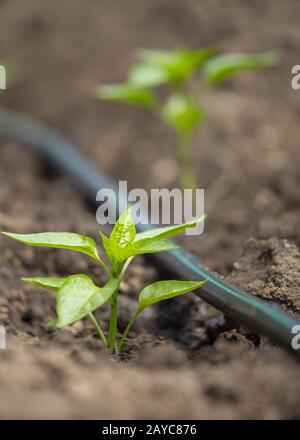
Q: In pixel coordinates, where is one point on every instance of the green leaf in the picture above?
(107, 247)
(113, 256)
(181, 113)
(127, 94)
(169, 231)
(124, 231)
(157, 57)
(79, 296)
(162, 290)
(59, 240)
(149, 246)
(140, 247)
(145, 75)
(174, 66)
(123, 234)
(223, 67)
(51, 283)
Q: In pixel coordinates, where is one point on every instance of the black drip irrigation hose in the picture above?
(260, 316)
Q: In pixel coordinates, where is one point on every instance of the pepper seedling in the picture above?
(180, 110)
(78, 296)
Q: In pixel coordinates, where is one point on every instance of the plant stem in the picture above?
(113, 320)
(127, 329)
(124, 268)
(98, 328)
(114, 307)
(104, 267)
(188, 178)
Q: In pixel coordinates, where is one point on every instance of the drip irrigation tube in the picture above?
(260, 316)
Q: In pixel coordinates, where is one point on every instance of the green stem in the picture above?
(127, 329)
(104, 267)
(114, 307)
(98, 328)
(124, 268)
(113, 320)
(188, 178)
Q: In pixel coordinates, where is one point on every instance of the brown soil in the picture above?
(184, 359)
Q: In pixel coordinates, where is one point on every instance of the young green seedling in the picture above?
(180, 110)
(78, 296)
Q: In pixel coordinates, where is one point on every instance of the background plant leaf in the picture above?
(223, 67)
(181, 113)
(79, 296)
(59, 240)
(127, 94)
(162, 290)
(146, 75)
(173, 66)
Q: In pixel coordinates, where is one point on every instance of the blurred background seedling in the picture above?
(180, 109)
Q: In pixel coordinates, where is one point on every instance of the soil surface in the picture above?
(184, 359)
